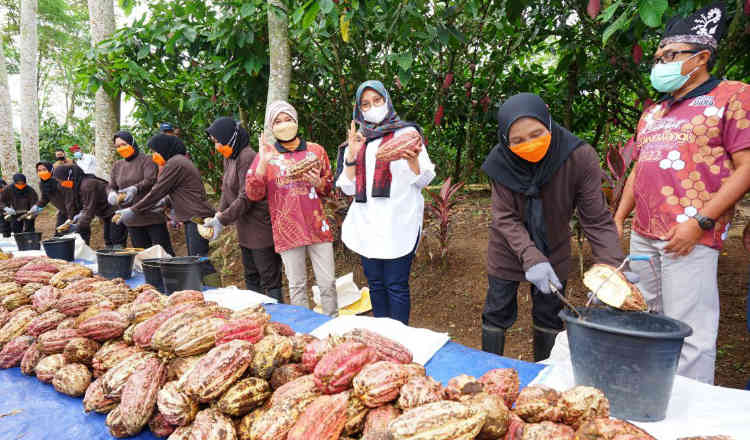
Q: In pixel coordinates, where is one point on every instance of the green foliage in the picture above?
(53, 135)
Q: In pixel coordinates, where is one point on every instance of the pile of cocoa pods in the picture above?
(187, 368)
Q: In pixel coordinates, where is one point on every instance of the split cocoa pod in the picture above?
(613, 289)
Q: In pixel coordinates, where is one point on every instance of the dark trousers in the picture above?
(113, 233)
(389, 286)
(501, 306)
(197, 245)
(61, 218)
(18, 225)
(262, 269)
(147, 236)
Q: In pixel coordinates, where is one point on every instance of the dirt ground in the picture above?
(449, 297)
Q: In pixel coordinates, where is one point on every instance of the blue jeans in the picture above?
(389, 286)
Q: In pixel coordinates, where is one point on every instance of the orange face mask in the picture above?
(20, 185)
(125, 151)
(67, 184)
(533, 150)
(44, 175)
(225, 150)
(158, 159)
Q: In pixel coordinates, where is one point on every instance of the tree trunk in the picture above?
(29, 91)
(8, 155)
(280, 57)
(106, 107)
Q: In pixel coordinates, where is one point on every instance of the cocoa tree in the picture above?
(8, 154)
(280, 60)
(30, 109)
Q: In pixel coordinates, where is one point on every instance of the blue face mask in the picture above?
(77, 155)
(668, 77)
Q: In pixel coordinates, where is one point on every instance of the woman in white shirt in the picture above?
(384, 221)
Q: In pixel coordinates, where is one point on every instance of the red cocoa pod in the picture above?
(278, 328)
(110, 354)
(391, 149)
(462, 385)
(75, 303)
(54, 341)
(415, 370)
(45, 298)
(637, 53)
(515, 427)
(146, 329)
(81, 351)
(582, 403)
(177, 408)
(181, 433)
(593, 8)
(211, 424)
(159, 426)
(380, 382)
(270, 352)
(39, 266)
(747, 7)
(4, 314)
(104, 306)
(336, 370)
(148, 295)
(300, 167)
(69, 322)
(30, 358)
(47, 367)
(72, 379)
(303, 388)
(299, 342)
(26, 276)
(45, 322)
(278, 420)
(13, 351)
(386, 349)
(197, 337)
(244, 329)
(444, 419)
(438, 119)
(163, 338)
(179, 366)
(286, 373)
(419, 391)
(315, 350)
(322, 419)
(116, 426)
(447, 81)
(546, 430)
(537, 403)
(377, 421)
(117, 293)
(503, 382)
(139, 394)
(485, 102)
(95, 400)
(104, 326)
(78, 285)
(497, 414)
(184, 296)
(17, 323)
(215, 372)
(244, 396)
(115, 378)
(140, 312)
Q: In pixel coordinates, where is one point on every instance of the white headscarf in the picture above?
(277, 107)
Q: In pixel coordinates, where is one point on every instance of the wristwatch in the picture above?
(350, 164)
(704, 222)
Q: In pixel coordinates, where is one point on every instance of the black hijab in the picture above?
(230, 132)
(18, 178)
(76, 174)
(128, 137)
(48, 186)
(167, 145)
(520, 176)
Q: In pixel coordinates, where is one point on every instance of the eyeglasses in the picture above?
(376, 102)
(668, 56)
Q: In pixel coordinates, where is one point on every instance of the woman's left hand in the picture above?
(412, 158)
(312, 177)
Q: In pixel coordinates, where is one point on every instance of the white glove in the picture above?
(130, 193)
(125, 215)
(35, 210)
(9, 211)
(215, 224)
(112, 198)
(541, 275)
(76, 217)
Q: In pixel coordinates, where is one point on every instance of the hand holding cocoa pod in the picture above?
(395, 148)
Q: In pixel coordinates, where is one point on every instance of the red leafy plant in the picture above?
(441, 208)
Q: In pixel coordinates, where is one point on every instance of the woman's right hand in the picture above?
(355, 141)
(265, 151)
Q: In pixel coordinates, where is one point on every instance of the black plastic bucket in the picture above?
(152, 273)
(631, 356)
(62, 248)
(115, 263)
(181, 273)
(28, 241)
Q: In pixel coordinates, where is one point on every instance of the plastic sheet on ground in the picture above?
(421, 342)
(694, 408)
(237, 299)
(155, 251)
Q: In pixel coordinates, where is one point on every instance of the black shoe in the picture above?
(276, 294)
(544, 340)
(493, 339)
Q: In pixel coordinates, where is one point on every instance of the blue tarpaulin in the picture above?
(30, 409)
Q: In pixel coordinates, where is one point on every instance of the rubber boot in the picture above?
(493, 339)
(276, 294)
(544, 340)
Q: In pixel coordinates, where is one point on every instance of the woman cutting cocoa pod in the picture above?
(294, 174)
(384, 166)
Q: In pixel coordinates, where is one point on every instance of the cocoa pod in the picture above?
(214, 373)
(391, 150)
(546, 430)
(39, 266)
(637, 53)
(322, 419)
(28, 276)
(127, 335)
(299, 342)
(4, 315)
(593, 8)
(303, 388)
(444, 419)
(184, 296)
(179, 366)
(30, 358)
(210, 424)
(67, 323)
(138, 397)
(315, 350)
(302, 166)
(537, 403)
(72, 379)
(498, 416)
(270, 352)
(45, 322)
(377, 421)
(146, 293)
(47, 367)
(335, 371)
(197, 337)
(110, 354)
(447, 81)
(380, 382)
(116, 377)
(275, 423)
(503, 382)
(73, 280)
(15, 300)
(356, 411)
(582, 403)
(177, 408)
(75, 303)
(278, 329)
(9, 288)
(243, 426)
(256, 312)
(438, 119)
(80, 350)
(286, 373)
(143, 311)
(95, 400)
(181, 433)
(13, 351)
(54, 341)
(419, 391)
(386, 349)
(45, 298)
(415, 370)
(118, 294)
(461, 385)
(18, 321)
(244, 396)
(94, 310)
(159, 426)
(116, 426)
(146, 329)
(103, 326)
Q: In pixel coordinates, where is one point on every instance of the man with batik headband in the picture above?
(692, 149)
